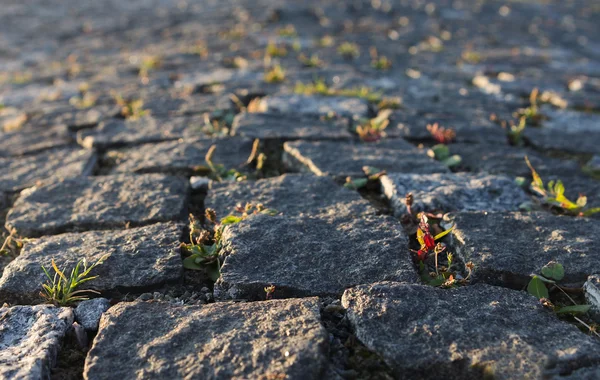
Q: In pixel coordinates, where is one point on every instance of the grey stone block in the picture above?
(217, 341)
(86, 203)
(342, 159)
(301, 256)
(467, 333)
(317, 105)
(179, 157)
(452, 192)
(140, 258)
(508, 247)
(30, 339)
(17, 173)
(267, 126)
(88, 313)
(289, 194)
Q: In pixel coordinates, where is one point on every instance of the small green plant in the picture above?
(148, 64)
(543, 284)
(275, 75)
(531, 114)
(12, 245)
(441, 153)
(218, 172)
(216, 126)
(85, 99)
(379, 62)
(205, 247)
(62, 290)
(288, 31)
(349, 50)
(554, 196)
(269, 290)
(373, 129)
(312, 61)
(130, 109)
(440, 134)
(370, 180)
(275, 50)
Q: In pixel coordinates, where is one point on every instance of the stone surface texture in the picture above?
(140, 258)
(476, 331)
(245, 340)
(30, 338)
(80, 204)
(317, 105)
(88, 313)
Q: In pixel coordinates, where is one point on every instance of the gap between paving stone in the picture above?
(392, 155)
(222, 340)
(302, 255)
(475, 331)
(452, 192)
(17, 173)
(180, 157)
(103, 202)
(507, 247)
(141, 259)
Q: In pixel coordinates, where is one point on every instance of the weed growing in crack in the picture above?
(219, 172)
(531, 114)
(440, 134)
(553, 196)
(373, 129)
(441, 153)
(319, 87)
(61, 290)
(148, 64)
(256, 105)
(349, 50)
(205, 247)
(269, 290)
(379, 62)
(130, 109)
(542, 285)
(275, 74)
(12, 244)
(312, 61)
(217, 126)
(275, 50)
(85, 99)
(436, 264)
(288, 31)
(371, 179)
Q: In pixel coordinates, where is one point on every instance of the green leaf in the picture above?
(442, 234)
(370, 170)
(213, 271)
(537, 288)
(270, 212)
(520, 181)
(574, 309)
(452, 161)
(591, 211)
(554, 271)
(356, 184)
(230, 219)
(559, 188)
(190, 263)
(440, 152)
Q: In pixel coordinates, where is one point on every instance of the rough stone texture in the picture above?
(468, 332)
(452, 192)
(147, 129)
(266, 126)
(79, 204)
(510, 160)
(29, 140)
(72, 117)
(290, 194)
(301, 256)
(30, 338)
(317, 105)
(88, 313)
(394, 156)
(180, 156)
(507, 247)
(279, 338)
(140, 258)
(567, 130)
(592, 295)
(19, 173)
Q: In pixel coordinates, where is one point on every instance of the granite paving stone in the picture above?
(269, 126)
(141, 258)
(290, 195)
(17, 173)
(394, 156)
(452, 192)
(317, 105)
(30, 339)
(181, 156)
(470, 332)
(507, 247)
(86, 203)
(72, 117)
(301, 255)
(147, 129)
(28, 140)
(278, 338)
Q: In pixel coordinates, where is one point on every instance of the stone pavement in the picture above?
(120, 119)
